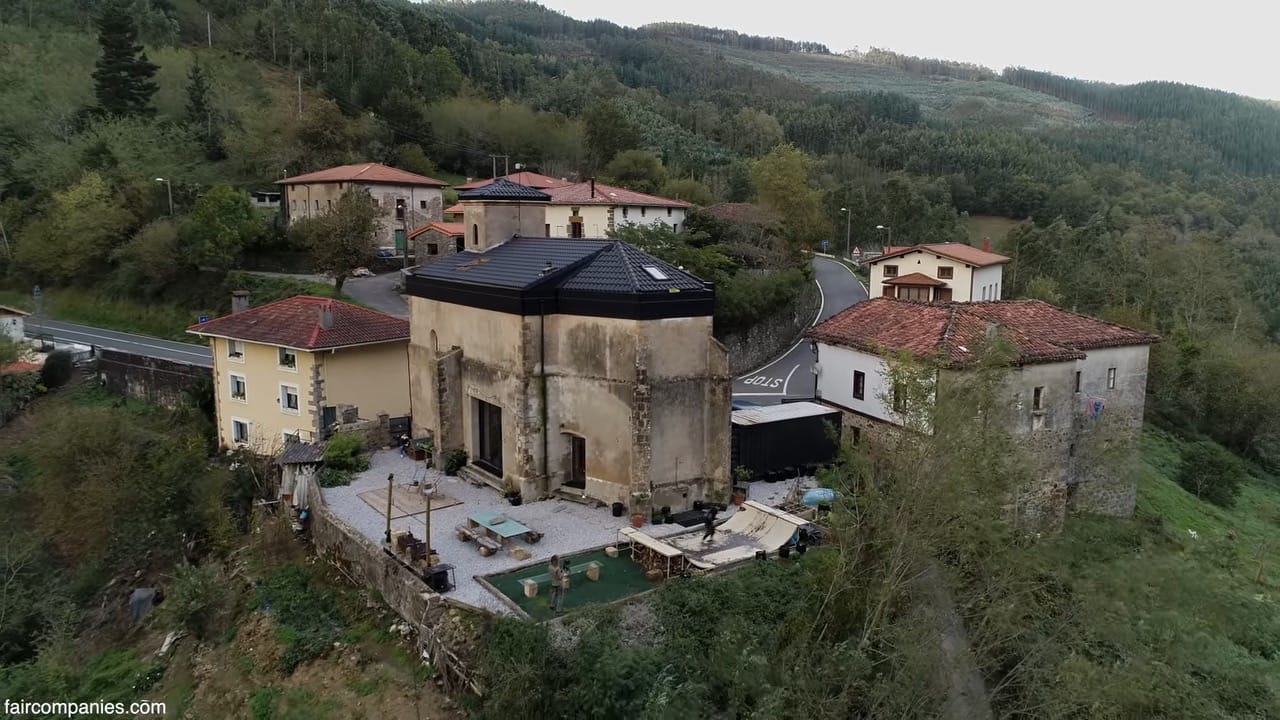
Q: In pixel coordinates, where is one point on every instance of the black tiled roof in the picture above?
(503, 189)
(529, 276)
(517, 263)
(622, 268)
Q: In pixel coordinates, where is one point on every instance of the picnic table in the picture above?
(491, 530)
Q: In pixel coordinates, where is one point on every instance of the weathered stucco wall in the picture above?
(159, 382)
(766, 340)
(374, 378)
(486, 224)
(649, 398)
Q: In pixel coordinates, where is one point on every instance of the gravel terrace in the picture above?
(568, 527)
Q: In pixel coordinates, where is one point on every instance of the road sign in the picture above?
(204, 318)
(37, 293)
(824, 244)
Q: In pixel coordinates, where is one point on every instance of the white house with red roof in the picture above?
(408, 200)
(1068, 373)
(286, 368)
(592, 210)
(938, 272)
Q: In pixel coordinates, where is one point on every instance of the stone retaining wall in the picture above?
(153, 380)
(767, 340)
(446, 630)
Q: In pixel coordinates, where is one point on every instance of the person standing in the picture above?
(557, 583)
(709, 525)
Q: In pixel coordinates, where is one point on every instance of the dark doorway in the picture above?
(488, 437)
(328, 418)
(577, 463)
(458, 244)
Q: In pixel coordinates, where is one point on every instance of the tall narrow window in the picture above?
(239, 388)
(475, 234)
(1077, 381)
(1037, 398)
(289, 399)
(1111, 378)
(859, 384)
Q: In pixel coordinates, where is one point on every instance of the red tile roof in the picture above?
(15, 368)
(1038, 331)
(524, 177)
(364, 173)
(955, 251)
(454, 209)
(914, 279)
(446, 228)
(581, 194)
(296, 323)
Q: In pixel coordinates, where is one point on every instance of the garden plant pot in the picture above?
(637, 520)
(739, 498)
(515, 498)
(618, 509)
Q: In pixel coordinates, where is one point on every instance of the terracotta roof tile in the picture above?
(454, 209)
(296, 323)
(362, 172)
(914, 279)
(446, 228)
(581, 194)
(524, 177)
(1038, 331)
(955, 251)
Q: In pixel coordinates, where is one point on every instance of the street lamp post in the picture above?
(848, 228)
(169, 186)
(886, 227)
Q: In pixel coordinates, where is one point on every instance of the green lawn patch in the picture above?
(619, 578)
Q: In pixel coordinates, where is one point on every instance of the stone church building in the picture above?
(568, 366)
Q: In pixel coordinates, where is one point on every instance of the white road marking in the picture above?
(787, 382)
(822, 301)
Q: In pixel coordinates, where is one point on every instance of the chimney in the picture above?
(986, 244)
(326, 316)
(593, 188)
(239, 300)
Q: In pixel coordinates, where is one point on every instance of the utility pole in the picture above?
(493, 163)
(299, 94)
(208, 27)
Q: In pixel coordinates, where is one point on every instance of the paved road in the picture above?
(378, 292)
(791, 375)
(125, 342)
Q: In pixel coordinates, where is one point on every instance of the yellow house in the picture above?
(286, 368)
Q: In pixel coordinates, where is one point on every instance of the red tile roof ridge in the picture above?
(967, 254)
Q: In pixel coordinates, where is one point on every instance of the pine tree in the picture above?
(123, 78)
(200, 113)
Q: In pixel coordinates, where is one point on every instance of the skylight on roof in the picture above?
(655, 272)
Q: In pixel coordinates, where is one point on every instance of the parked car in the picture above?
(362, 272)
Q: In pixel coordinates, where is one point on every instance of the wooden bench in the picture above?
(464, 533)
(590, 571)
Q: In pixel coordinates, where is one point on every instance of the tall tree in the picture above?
(123, 78)
(608, 132)
(222, 222)
(200, 112)
(782, 185)
(343, 239)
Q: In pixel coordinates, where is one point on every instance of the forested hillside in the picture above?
(1156, 205)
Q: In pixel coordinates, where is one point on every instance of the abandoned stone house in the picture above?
(1069, 375)
(582, 367)
(407, 200)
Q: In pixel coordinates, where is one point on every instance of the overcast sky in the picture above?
(1225, 44)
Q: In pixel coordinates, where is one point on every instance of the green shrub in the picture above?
(57, 369)
(344, 452)
(306, 613)
(197, 600)
(333, 477)
(1211, 473)
(262, 703)
(454, 460)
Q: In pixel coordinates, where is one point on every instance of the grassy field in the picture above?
(989, 226)
(987, 101)
(88, 306)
